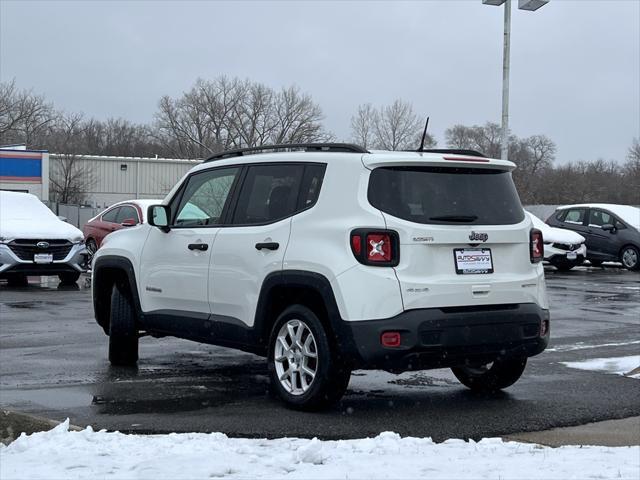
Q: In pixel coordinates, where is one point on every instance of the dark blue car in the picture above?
(612, 232)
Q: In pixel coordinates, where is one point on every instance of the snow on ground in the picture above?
(617, 365)
(60, 453)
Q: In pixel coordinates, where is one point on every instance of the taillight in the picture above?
(376, 247)
(537, 245)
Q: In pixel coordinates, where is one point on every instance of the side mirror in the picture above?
(607, 227)
(129, 222)
(158, 216)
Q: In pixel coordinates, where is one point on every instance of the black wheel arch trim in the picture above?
(101, 309)
(309, 280)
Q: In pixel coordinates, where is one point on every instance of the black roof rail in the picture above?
(306, 147)
(453, 151)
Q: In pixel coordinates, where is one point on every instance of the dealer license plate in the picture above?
(473, 260)
(572, 255)
(43, 258)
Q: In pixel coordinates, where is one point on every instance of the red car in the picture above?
(120, 215)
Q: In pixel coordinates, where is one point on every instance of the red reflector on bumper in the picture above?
(390, 339)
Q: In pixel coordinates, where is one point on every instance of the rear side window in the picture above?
(441, 195)
(127, 213)
(269, 193)
(111, 215)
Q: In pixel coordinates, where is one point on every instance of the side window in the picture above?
(269, 193)
(111, 215)
(575, 216)
(598, 218)
(311, 183)
(204, 197)
(127, 212)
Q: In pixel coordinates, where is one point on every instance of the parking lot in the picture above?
(53, 362)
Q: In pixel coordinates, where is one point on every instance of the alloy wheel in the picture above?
(630, 258)
(296, 357)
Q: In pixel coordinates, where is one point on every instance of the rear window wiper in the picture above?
(455, 218)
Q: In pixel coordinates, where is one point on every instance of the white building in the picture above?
(110, 179)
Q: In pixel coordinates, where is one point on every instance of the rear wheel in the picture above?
(493, 376)
(123, 332)
(68, 278)
(91, 250)
(304, 366)
(630, 257)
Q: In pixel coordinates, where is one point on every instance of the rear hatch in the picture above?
(464, 237)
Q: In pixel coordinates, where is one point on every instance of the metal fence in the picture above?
(76, 215)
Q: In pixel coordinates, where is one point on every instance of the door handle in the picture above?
(198, 246)
(267, 246)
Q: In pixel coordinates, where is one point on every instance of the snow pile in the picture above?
(617, 365)
(88, 454)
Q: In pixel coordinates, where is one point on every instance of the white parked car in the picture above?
(331, 258)
(34, 241)
(563, 249)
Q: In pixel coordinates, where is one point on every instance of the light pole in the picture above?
(531, 5)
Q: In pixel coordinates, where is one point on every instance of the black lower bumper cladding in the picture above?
(451, 336)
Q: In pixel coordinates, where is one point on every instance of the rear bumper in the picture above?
(450, 336)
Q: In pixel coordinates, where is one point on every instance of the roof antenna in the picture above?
(424, 135)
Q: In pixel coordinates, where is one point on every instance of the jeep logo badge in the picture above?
(482, 237)
(42, 244)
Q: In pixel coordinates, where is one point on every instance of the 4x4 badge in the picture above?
(474, 236)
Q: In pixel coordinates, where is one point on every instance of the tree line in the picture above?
(226, 113)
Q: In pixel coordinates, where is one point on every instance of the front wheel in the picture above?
(123, 331)
(493, 376)
(630, 258)
(304, 366)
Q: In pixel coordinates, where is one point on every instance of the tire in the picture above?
(491, 377)
(563, 266)
(123, 332)
(595, 263)
(92, 247)
(300, 390)
(17, 280)
(630, 257)
(68, 278)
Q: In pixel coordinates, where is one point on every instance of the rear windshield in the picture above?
(441, 195)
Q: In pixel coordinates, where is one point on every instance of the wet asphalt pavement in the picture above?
(53, 362)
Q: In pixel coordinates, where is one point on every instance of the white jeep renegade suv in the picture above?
(326, 258)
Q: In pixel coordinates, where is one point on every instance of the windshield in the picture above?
(442, 195)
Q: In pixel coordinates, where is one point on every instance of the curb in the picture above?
(13, 424)
(624, 432)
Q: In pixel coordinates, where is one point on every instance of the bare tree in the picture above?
(23, 115)
(485, 139)
(362, 125)
(297, 118)
(70, 179)
(397, 127)
(230, 113)
(391, 127)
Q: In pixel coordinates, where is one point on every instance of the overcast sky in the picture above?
(575, 64)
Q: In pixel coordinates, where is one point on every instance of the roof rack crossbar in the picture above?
(306, 147)
(453, 151)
